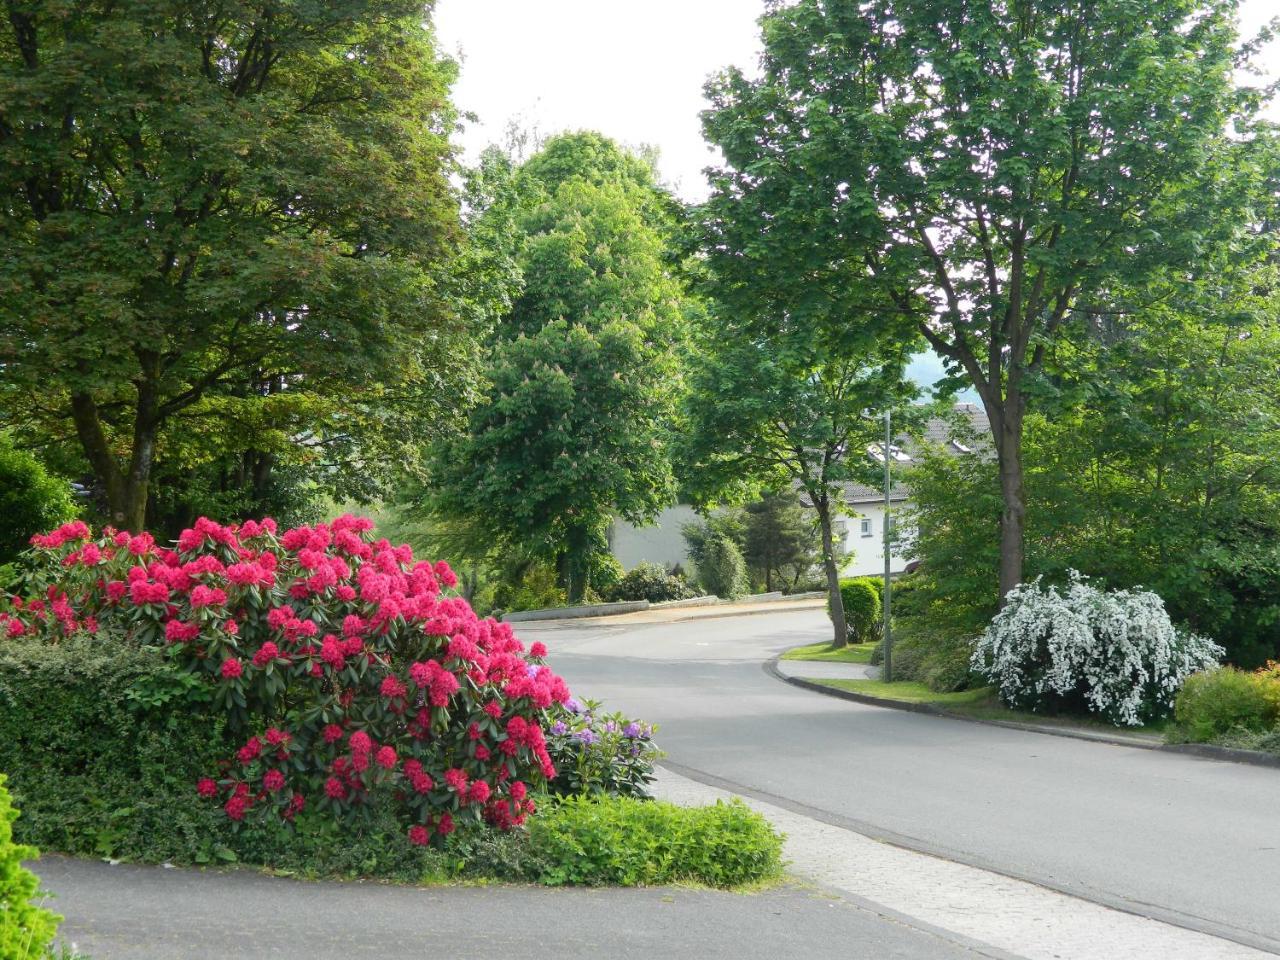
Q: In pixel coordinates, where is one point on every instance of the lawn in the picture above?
(853, 653)
(912, 692)
(983, 704)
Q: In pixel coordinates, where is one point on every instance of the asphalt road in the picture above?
(148, 913)
(1181, 839)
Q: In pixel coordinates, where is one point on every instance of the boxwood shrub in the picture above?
(103, 745)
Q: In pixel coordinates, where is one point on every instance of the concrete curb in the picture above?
(707, 601)
(572, 613)
(639, 606)
(1204, 750)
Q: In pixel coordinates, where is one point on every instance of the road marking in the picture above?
(1010, 915)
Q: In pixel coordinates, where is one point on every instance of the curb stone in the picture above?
(1205, 751)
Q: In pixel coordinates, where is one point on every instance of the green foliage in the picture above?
(1155, 467)
(781, 543)
(716, 556)
(582, 378)
(536, 588)
(649, 581)
(600, 754)
(201, 202)
(984, 176)
(26, 930)
(605, 572)
(1227, 701)
(31, 501)
(103, 744)
(862, 608)
(626, 841)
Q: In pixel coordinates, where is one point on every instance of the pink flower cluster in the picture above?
(368, 682)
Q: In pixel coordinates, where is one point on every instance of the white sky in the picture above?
(633, 71)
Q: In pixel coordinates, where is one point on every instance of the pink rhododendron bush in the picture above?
(357, 679)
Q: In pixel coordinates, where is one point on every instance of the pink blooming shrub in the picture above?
(355, 676)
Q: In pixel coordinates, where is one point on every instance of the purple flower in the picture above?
(632, 730)
(559, 728)
(573, 706)
(586, 736)
(611, 727)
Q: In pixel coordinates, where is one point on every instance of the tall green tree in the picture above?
(780, 540)
(205, 204)
(982, 170)
(768, 408)
(582, 373)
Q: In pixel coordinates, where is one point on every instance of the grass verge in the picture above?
(852, 653)
(983, 704)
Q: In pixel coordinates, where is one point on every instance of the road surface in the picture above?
(1181, 839)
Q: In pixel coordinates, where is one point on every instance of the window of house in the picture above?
(866, 527)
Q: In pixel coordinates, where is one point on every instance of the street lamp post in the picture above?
(888, 630)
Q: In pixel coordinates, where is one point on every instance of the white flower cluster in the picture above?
(1116, 654)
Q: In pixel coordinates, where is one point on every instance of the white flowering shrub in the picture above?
(1116, 654)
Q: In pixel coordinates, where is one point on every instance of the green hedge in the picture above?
(103, 747)
(104, 744)
(1226, 701)
(862, 607)
(631, 842)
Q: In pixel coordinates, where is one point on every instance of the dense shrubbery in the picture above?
(1228, 703)
(599, 753)
(126, 791)
(109, 717)
(351, 679)
(103, 744)
(1115, 654)
(30, 500)
(26, 929)
(862, 607)
(626, 841)
(722, 572)
(648, 581)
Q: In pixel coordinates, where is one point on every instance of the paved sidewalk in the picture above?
(971, 906)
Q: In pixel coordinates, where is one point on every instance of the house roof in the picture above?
(939, 432)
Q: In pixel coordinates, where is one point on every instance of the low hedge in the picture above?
(104, 745)
(628, 842)
(1227, 703)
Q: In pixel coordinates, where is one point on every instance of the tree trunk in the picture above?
(836, 603)
(126, 489)
(1013, 516)
(573, 564)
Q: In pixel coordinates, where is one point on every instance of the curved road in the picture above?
(1193, 842)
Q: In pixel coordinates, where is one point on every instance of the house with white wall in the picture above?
(860, 530)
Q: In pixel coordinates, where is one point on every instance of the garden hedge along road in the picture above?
(1178, 838)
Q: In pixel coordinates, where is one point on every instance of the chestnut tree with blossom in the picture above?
(209, 208)
(582, 372)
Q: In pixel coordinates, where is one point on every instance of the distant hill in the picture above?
(926, 369)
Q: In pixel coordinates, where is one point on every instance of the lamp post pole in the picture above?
(888, 629)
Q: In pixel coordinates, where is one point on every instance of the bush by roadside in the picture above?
(26, 929)
(1230, 707)
(1083, 650)
(110, 739)
(629, 842)
(862, 607)
(648, 581)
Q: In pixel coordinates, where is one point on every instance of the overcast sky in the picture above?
(631, 70)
